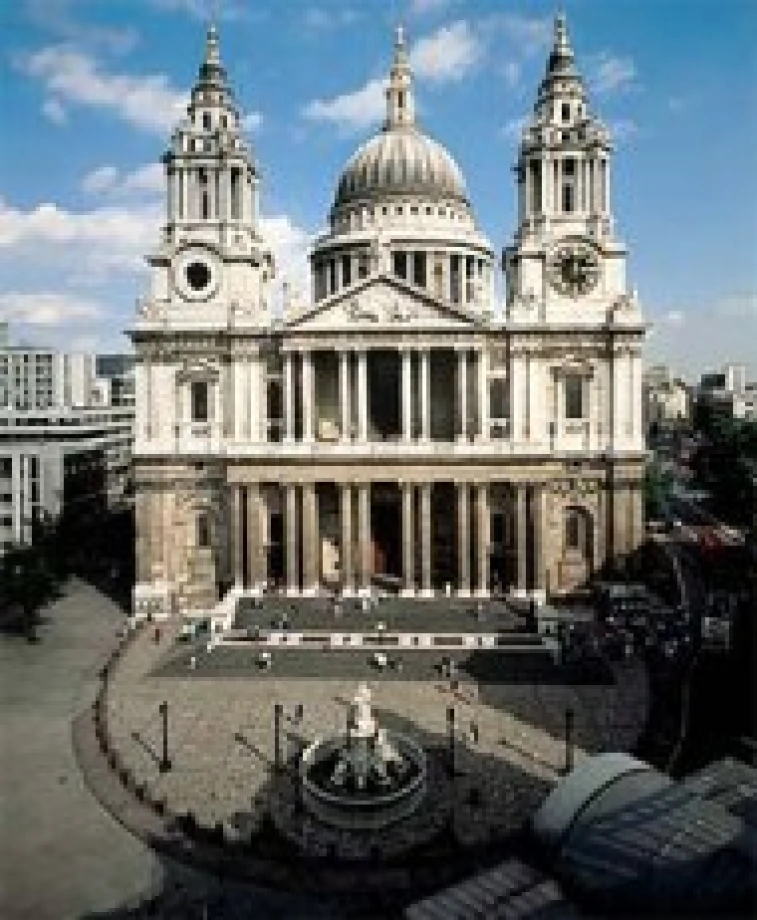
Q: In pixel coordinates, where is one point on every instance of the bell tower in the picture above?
(212, 261)
(564, 256)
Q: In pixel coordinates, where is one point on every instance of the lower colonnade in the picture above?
(416, 538)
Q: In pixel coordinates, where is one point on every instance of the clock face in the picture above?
(196, 273)
(574, 268)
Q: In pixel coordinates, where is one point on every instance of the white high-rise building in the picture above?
(396, 426)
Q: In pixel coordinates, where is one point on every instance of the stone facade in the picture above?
(396, 427)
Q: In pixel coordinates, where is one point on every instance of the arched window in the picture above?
(573, 529)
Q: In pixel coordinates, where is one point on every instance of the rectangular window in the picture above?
(199, 394)
(346, 270)
(236, 210)
(572, 530)
(206, 121)
(419, 269)
(574, 396)
(399, 264)
(362, 266)
(565, 111)
(332, 276)
(455, 280)
(568, 199)
(203, 530)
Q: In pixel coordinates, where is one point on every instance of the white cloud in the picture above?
(354, 111)
(108, 179)
(446, 55)
(55, 16)
(54, 111)
(611, 73)
(86, 245)
(252, 121)
(46, 308)
(290, 244)
(529, 34)
(147, 102)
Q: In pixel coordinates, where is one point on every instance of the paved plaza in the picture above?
(509, 713)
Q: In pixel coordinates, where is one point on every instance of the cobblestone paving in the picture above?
(221, 728)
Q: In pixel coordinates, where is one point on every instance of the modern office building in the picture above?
(728, 392)
(400, 425)
(52, 458)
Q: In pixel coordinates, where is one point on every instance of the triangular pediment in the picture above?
(382, 302)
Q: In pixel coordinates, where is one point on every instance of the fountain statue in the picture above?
(368, 759)
(365, 779)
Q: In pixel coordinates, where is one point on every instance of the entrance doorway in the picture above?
(386, 530)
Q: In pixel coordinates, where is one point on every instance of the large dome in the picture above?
(400, 160)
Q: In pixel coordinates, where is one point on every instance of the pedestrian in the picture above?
(298, 713)
(192, 663)
(156, 635)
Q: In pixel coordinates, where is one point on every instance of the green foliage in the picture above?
(725, 466)
(657, 487)
(27, 582)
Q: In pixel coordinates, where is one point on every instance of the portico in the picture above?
(416, 538)
(406, 393)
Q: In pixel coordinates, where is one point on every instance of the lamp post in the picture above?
(278, 712)
(165, 760)
(569, 719)
(451, 739)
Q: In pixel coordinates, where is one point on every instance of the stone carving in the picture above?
(150, 309)
(359, 311)
(402, 311)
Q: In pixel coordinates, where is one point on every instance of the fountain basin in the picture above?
(361, 810)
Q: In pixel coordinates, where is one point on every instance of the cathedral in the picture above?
(397, 427)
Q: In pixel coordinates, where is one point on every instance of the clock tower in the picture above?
(565, 264)
(212, 264)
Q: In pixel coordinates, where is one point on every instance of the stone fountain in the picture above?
(366, 779)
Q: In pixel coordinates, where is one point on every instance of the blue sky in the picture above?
(90, 88)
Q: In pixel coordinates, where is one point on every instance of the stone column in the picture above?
(237, 525)
(362, 395)
(345, 422)
(463, 540)
(426, 589)
(308, 397)
(290, 536)
(521, 530)
(407, 395)
(288, 397)
(483, 394)
(364, 533)
(462, 382)
(482, 522)
(425, 396)
(346, 562)
(256, 557)
(311, 544)
(538, 504)
(408, 540)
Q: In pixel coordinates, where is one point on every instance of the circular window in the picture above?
(198, 275)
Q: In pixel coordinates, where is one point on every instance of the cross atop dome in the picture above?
(400, 101)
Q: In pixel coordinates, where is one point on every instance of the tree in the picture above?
(657, 487)
(26, 584)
